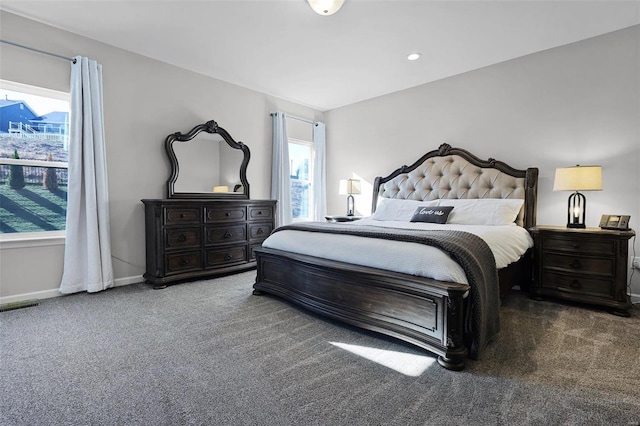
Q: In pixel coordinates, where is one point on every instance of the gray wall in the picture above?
(144, 101)
(575, 104)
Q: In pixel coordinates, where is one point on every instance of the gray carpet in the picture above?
(210, 353)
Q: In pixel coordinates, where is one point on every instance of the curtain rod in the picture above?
(297, 118)
(37, 50)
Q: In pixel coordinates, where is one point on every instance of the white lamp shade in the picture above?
(578, 178)
(325, 7)
(349, 186)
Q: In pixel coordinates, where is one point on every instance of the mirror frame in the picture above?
(213, 128)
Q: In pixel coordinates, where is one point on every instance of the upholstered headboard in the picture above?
(454, 173)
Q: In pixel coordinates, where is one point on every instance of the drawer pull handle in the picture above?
(228, 257)
(183, 262)
(259, 231)
(575, 284)
(575, 264)
(181, 215)
(182, 238)
(228, 234)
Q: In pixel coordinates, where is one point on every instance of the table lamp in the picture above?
(578, 178)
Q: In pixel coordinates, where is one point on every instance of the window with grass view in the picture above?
(301, 158)
(34, 142)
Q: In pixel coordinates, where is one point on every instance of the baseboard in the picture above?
(47, 294)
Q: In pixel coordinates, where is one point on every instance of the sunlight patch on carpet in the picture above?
(407, 364)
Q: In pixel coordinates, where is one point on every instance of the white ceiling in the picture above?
(282, 48)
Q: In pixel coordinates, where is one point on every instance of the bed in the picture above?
(437, 286)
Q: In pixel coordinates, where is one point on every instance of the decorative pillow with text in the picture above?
(431, 214)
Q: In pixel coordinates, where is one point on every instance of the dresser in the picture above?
(190, 239)
(583, 265)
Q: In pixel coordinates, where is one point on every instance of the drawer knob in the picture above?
(576, 264)
(575, 284)
(182, 238)
(259, 211)
(227, 214)
(183, 262)
(228, 234)
(228, 257)
(181, 215)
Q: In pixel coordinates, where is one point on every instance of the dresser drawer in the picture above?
(577, 284)
(252, 251)
(579, 264)
(219, 257)
(226, 234)
(182, 238)
(225, 214)
(260, 231)
(182, 215)
(260, 213)
(183, 262)
(599, 246)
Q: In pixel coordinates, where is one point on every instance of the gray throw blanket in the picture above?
(470, 251)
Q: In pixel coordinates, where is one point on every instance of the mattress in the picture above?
(508, 243)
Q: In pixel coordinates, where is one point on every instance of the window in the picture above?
(301, 157)
(34, 142)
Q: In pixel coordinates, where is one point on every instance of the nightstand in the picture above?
(583, 265)
(342, 218)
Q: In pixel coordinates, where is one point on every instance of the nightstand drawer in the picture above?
(577, 284)
(585, 245)
(579, 264)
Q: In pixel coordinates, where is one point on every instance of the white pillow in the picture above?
(398, 209)
(484, 211)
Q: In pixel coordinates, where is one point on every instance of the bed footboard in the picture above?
(422, 311)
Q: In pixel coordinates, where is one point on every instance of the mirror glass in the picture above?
(207, 165)
(207, 162)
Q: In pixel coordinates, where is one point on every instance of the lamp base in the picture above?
(350, 205)
(576, 225)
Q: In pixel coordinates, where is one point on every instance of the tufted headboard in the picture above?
(454, 173)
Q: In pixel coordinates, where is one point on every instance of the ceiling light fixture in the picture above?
(414, 56)
(325, 7)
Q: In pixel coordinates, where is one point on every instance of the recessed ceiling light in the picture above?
(414, 56)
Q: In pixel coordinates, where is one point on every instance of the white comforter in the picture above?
(508, 243)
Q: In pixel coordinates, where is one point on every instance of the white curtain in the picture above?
(87, 255)
(280, 173)
(319, 172)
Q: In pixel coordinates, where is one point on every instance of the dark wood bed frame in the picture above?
(422, 311)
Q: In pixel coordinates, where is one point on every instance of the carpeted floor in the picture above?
(210, 353)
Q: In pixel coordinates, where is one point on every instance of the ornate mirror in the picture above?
(213, 164)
